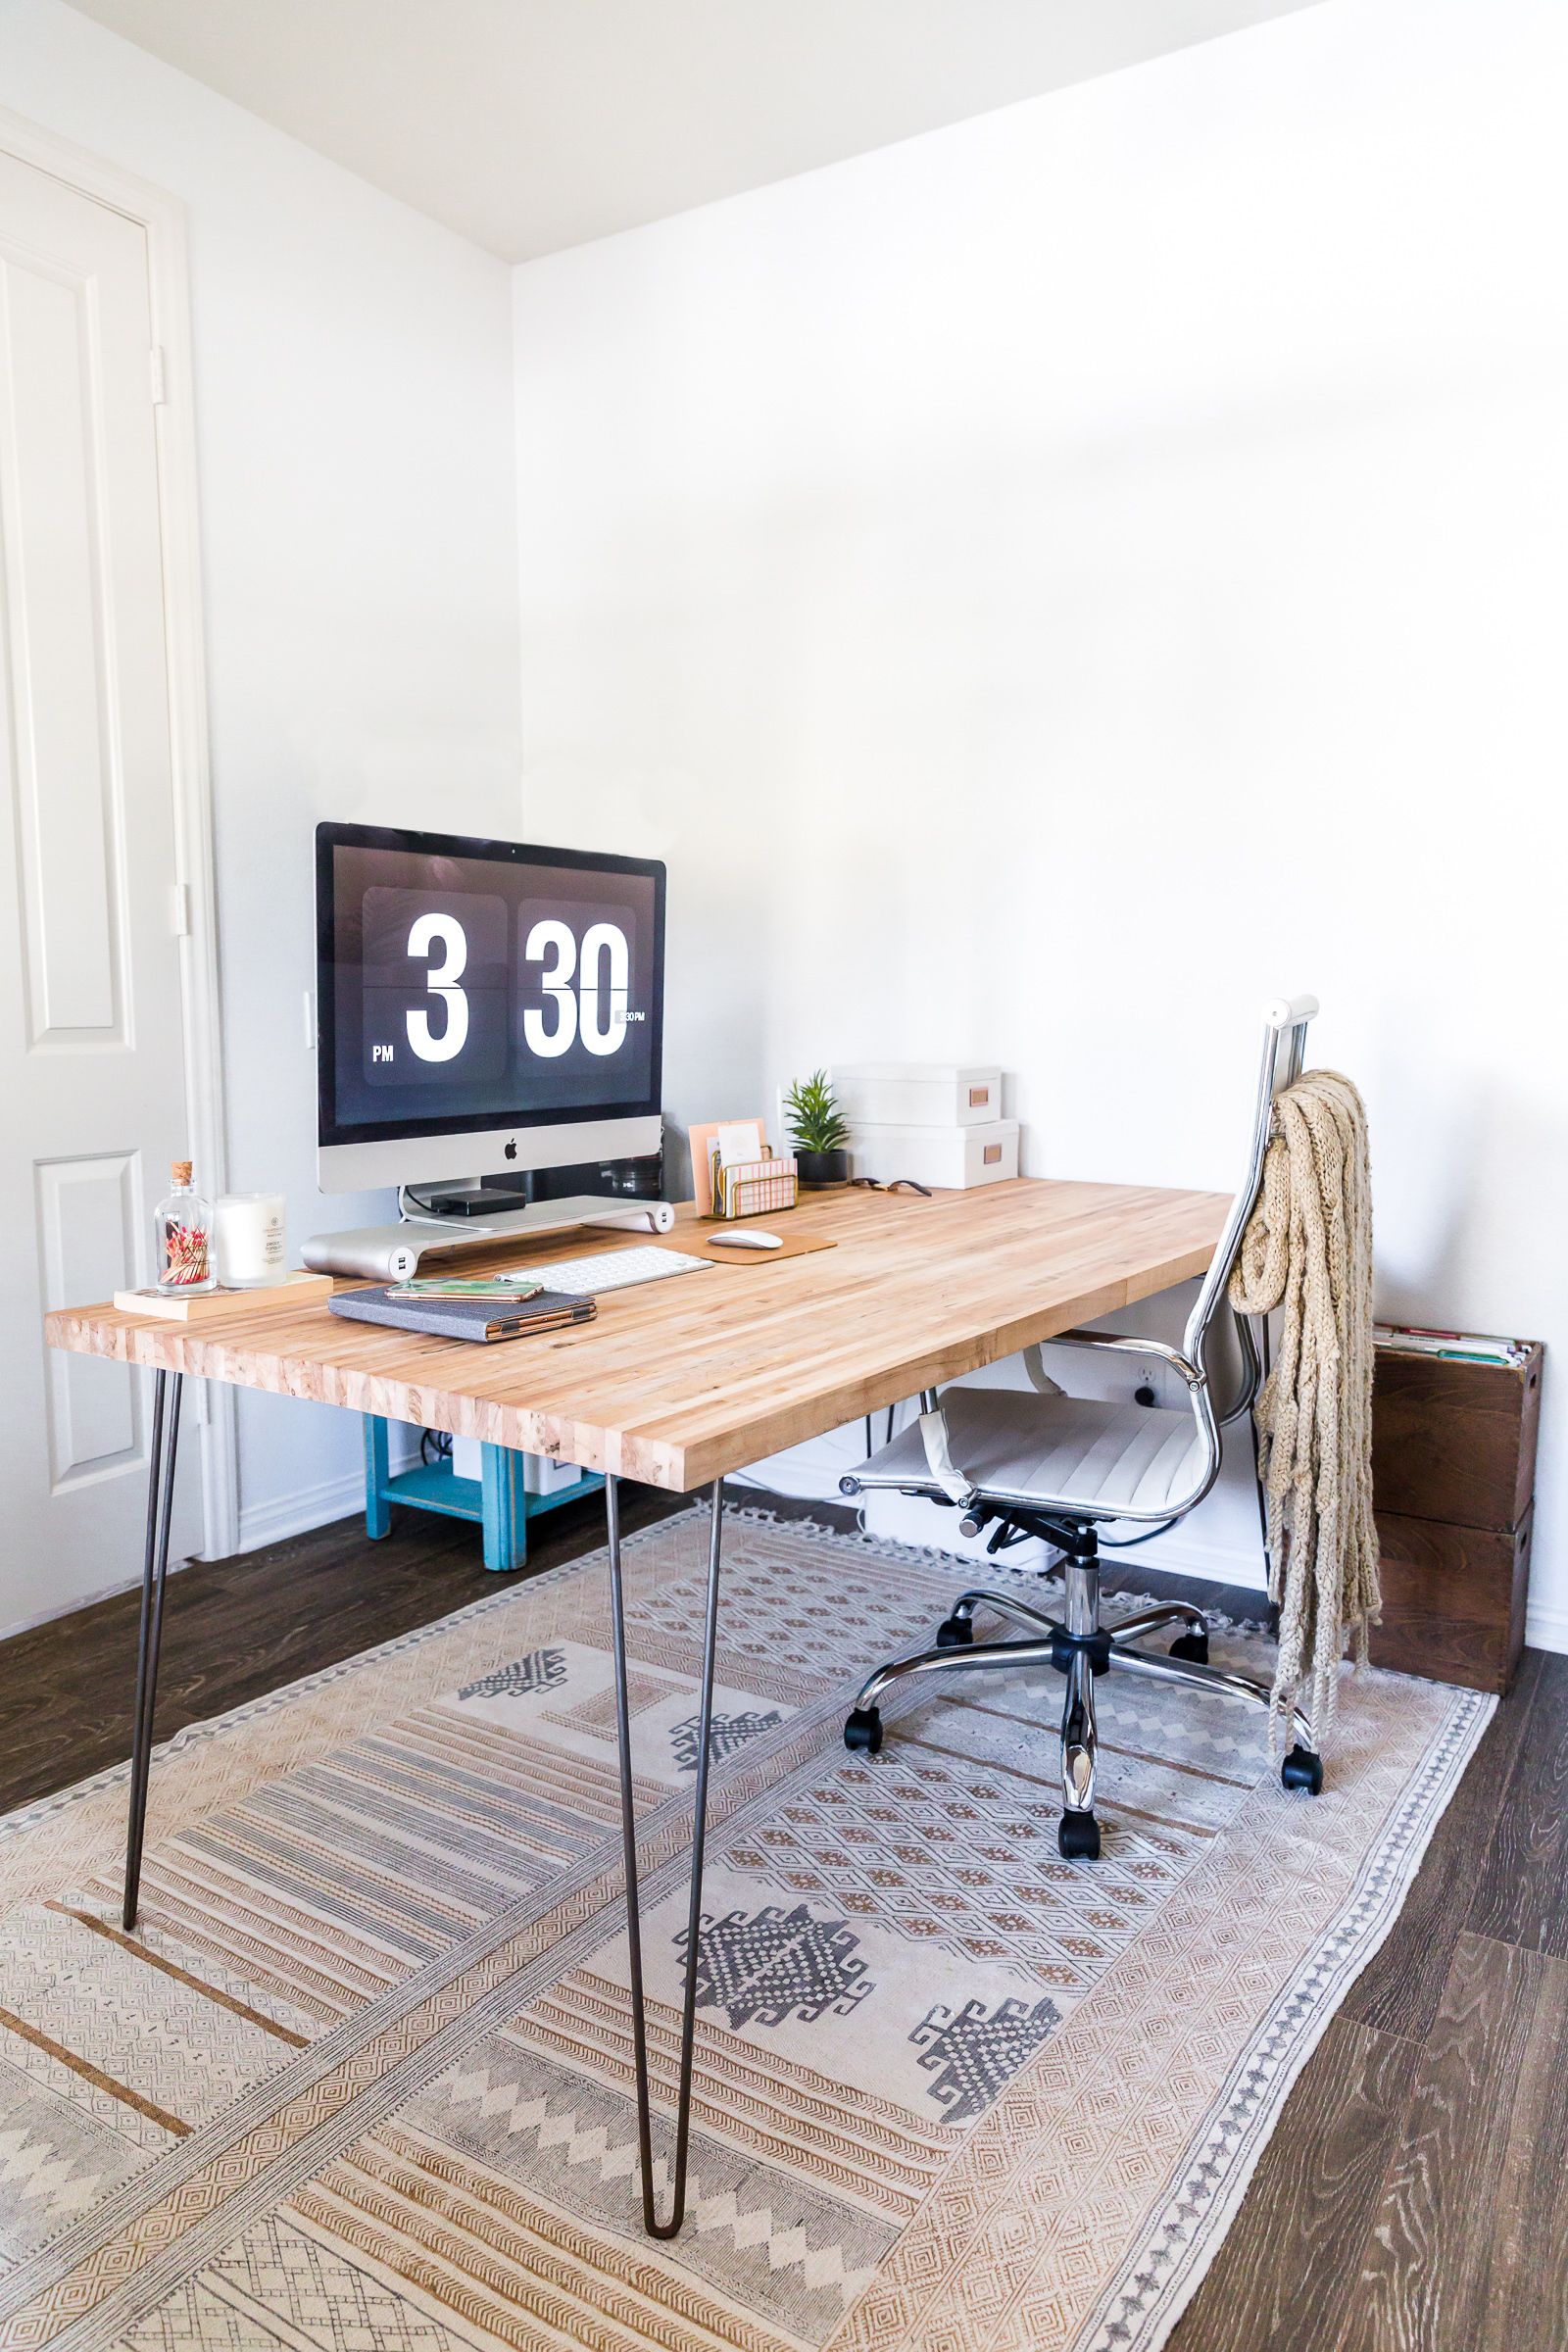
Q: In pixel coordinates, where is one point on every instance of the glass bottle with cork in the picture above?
(182, 1228)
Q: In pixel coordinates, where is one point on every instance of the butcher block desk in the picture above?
(675, 1383)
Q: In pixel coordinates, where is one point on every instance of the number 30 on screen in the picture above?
(595, 1008)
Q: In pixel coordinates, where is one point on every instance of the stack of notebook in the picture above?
(1468, 1346)
(474, 1309)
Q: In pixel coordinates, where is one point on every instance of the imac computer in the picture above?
(484, 1008)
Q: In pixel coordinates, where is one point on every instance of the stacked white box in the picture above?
(936, 1123)
(543, 1476)
(919, 1094)
(540, 1475)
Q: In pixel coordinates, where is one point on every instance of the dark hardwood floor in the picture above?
(235, 1629)
(1414, 2197)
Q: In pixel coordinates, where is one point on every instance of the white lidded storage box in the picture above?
(540, 1475)
(948, 1158)
(919, 1094)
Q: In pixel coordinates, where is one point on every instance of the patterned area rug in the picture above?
(362, 2078)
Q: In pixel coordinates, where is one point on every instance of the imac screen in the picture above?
(473, 984)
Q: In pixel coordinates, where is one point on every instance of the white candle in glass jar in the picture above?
(248, 1239)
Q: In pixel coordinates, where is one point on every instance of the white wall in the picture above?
(354, 416)
(1053, 583)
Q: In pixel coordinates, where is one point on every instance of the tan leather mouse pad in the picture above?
(697, 1241)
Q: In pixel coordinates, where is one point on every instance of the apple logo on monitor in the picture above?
(510, 1152)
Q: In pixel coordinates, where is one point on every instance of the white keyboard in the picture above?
(616, 1270)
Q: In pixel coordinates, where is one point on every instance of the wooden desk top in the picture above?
(678, 1382)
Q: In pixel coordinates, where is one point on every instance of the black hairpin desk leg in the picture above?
(694, 1908)
(154, 1577)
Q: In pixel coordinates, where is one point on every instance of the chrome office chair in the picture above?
(1043, 1463)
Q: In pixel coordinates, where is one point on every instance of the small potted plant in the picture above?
(819, 1131)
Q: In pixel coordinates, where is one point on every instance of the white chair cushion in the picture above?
(1059, 1449)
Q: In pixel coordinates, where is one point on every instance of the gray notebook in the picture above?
(482, 1319)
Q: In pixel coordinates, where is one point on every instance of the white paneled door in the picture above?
(92, 1092)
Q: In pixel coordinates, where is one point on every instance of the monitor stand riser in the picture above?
(394, 1253)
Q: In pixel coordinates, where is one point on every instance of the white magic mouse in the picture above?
(745, 1241)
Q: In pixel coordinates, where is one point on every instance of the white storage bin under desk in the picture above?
(919, 1094)
(540, 1475)
(948, 1158)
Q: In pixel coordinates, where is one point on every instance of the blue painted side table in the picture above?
(497, 1498)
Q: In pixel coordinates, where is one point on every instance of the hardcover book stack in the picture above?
(481, 1307)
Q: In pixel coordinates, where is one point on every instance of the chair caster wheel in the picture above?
(862, 1729)
(1193, 1647)
(1302, 1769)
(1078, 1837)
(955, 1632)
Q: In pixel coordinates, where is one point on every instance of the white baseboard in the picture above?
(275, 1519)
(84, 1600)
(1546, 1626)
(1183, 1555)
(259, 1524)
(1547, 1629)
(1180, 1553)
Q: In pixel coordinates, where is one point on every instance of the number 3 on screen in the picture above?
(430, 935)
(601, 1012)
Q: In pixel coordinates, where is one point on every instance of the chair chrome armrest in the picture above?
(1125, 1343)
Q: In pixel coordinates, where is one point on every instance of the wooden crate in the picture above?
(1453, 1599)
(1455, 1441)
(1453, 1469)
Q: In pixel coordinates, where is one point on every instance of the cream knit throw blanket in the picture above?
(1309, 1249)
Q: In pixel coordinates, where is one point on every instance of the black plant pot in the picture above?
(816, 1169)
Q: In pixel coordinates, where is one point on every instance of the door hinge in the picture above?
(154, 371)
(180, 908)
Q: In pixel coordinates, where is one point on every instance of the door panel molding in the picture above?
(162, 218)
(90, 1245)
(71, 836)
